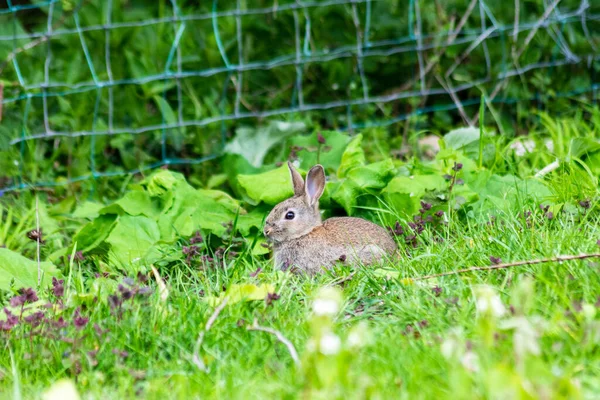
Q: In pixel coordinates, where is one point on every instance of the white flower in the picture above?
(330, 344)
(588, 311)
(449, 348)
(470, 361)
(283, 126)
(487, 301)
(328, 302)
(63, 389)
(327, 307)
(453, 344)
(359, 335)
(526, 334)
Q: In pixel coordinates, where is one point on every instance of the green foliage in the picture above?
(18, 272)
(254, 144)
(367, 332)
(135, 231)
(244, 292)
(269, 187)
(187, 102)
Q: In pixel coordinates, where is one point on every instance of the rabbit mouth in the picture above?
(271, 234)
(272, 237)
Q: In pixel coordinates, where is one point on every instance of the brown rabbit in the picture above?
(302, 241)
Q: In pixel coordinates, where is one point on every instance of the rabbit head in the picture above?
(298, 215)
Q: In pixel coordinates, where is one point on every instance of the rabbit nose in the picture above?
(268, 229)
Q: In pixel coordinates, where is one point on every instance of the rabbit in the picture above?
(304, 243)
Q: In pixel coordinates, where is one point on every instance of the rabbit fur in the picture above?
(303, 242)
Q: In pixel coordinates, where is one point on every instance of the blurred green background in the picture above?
(98, 89)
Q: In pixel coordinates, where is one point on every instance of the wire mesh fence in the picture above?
(93, 89)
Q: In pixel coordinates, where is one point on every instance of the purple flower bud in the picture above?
(320, 138)
(11, 319)
(60, 323)
(34, 319)
(271, 297)
(126, 294)
(17, 301)
(128, 281)
(142, 278)
(145, 291)
(495, 260)
(197, 238)
(57, 287)
(80, 322)
(114, 301)
(30, 295)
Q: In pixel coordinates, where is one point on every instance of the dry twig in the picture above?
(511, 264)
(280, 337)
(39, 239)
(163, 291)
(196, 357)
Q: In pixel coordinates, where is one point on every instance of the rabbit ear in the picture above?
(297, 180)
(315, 184)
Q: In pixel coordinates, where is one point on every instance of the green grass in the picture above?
(400, 337)
(159, 337)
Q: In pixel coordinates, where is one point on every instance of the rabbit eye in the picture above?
(290, 215)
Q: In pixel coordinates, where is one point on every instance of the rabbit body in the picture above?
(302, 242)
(345, 239)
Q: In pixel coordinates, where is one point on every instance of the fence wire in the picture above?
(93, 89)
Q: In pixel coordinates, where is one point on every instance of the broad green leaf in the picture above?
(222, 198)
(269, 187)
(253, 219)
(163, 181)
(63, 208)
(404, 193)
(190, 211)
(460, 138)
(254, 143)
(353, 157)
(416, 185)
(506, 192)
(376, 175)
(216, 180)
(94, 233)
(23, 272)
(330, 153)
(259, 249)
(241, 292)
(133, 203)
(131, 240)
(345, 194)
(467, 140)
(235, 165)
